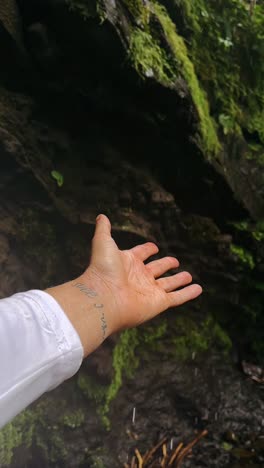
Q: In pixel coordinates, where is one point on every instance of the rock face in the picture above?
(112, 98)
(10, 19)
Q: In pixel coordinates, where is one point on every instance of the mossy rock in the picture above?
(10, 19)
(208, 58)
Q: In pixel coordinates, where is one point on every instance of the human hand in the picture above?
(136, 290)
(118, 290)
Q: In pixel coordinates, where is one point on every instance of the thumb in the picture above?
(102, 243)
(103, 226)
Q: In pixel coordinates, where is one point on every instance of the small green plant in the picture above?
(226, 122)
(58, 177)
(245, 257)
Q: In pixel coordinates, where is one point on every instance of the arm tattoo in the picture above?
(91, 293)
(87, 291)
(103, 321)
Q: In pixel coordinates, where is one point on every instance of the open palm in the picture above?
(138, 292)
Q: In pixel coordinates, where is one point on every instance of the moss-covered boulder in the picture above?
(211, 55)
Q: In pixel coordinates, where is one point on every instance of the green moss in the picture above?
(198, 339)
(218, 53)
(255, 152)
(88, 8)
(151, 59)
(91, 389)
(255, 124)
(153, 333)
(125, 362)
(147, 56)
(58, 450)
(219, 336)
(73, 419)
(36, 426)
(226, 45)
(255, 230)
(219, 58)
(19, 432)
(138, 10)
(241, 225)
(193, 338)
(258, 235)
(209, 139)
(243, 255)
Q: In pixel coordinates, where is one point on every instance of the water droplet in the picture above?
(171, 443)
(134, 415)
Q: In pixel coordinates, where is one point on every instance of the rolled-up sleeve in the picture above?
(39, 349)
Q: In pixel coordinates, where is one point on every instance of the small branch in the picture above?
(139, 457)
(188, 448)
(149, 454)
(175, 453)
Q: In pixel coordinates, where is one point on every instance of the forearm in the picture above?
(45, 335)
(89, 307)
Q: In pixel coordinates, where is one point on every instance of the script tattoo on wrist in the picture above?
(91, 293)
(103, 320)
(87, 291)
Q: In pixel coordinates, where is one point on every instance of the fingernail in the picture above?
(98, 217)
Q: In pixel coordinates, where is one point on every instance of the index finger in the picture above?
(144, 251)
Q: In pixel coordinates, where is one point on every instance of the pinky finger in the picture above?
(177, 298)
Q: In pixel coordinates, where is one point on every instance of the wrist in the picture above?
(89, 307)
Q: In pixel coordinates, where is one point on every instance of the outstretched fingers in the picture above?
(177, 298)
(144, 251)
(161, 266)
(170, 283)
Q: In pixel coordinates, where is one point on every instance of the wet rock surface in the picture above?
(172, 398)
(205, 394)
(128, 148)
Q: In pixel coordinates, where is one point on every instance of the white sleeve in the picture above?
(39, 349)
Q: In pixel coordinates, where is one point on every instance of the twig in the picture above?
(174, 455)
(164, 452)
(187, 449)
(149, 454)
(139, 457)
